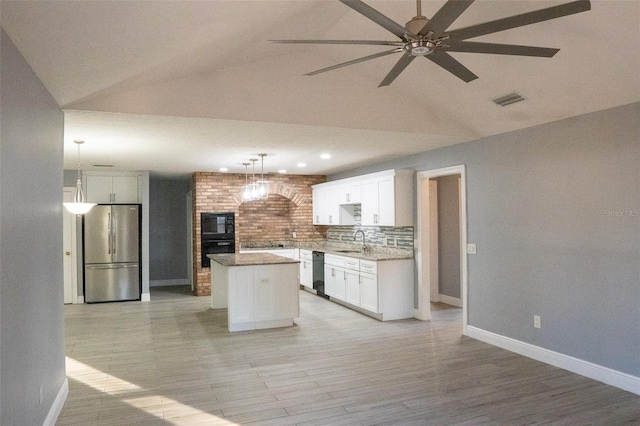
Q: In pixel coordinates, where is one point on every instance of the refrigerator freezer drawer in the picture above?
(111, 282)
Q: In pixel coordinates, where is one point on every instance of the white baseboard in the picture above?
(164, 283)
(57, 405)
(145, 297)
(593, 371)
(449, 300)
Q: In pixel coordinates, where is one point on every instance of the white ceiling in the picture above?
(181, 86)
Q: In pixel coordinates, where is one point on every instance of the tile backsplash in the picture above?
(387, 236)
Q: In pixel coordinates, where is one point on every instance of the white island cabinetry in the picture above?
(259, 290)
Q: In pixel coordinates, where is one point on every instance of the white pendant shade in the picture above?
(78, 206)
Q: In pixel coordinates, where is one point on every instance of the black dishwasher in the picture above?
(318, 273)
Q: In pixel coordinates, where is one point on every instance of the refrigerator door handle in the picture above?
(113, 231)
(109, 232)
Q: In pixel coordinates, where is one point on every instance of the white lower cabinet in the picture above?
(259, 296)
(352, 284)
(369, 292)
(334, 282)
(306, 268)
(383, 289)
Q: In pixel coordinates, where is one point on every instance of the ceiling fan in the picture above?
(429, 38)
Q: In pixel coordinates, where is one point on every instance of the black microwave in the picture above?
(217, 226)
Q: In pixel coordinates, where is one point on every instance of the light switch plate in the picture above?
(471, 249)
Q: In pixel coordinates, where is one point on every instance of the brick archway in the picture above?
(277, 189)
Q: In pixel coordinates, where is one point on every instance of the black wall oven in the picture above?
(217, 234)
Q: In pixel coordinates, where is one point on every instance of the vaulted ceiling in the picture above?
(182, 86)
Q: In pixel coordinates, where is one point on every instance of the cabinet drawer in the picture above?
(332, 259)
(369, 266)
(305, 254)
(351, 263)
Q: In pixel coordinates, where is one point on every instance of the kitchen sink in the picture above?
(348, 251)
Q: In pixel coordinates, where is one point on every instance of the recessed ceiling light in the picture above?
(282, 171)
(224, 169)
(302, 164)
(325, 156)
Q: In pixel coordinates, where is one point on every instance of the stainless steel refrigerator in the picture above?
(112, 253)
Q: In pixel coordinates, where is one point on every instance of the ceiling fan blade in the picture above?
(447, 62)
(378, 18)
(397, 69)
(502, 49)
(355, 61)
(444, 17)
(520, 20)
(367, 42)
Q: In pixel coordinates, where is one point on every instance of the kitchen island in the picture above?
(259, 290)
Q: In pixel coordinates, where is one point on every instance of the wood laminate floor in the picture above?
(172, 361)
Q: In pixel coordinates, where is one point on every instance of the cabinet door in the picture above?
(370, 202)
(98, 189)
(265, 281)
(369, 292)
(334, 282)
(318, 206)
(386, 202)
(354, 193)
(352, 285)
(241, 295)
(306, 273)
(125, 189)
(286, 291)
(332, 205)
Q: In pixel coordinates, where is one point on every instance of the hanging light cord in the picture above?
(79, 196)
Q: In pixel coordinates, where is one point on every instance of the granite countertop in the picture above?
(249, 259)
(374, 252)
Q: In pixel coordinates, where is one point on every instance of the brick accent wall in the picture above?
(288, 209)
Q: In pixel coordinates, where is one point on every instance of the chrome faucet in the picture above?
(356, 235)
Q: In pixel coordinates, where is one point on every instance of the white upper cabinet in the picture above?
(386, 199)
(112, 189)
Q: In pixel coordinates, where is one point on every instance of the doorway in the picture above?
(427, 247)
(69, 246)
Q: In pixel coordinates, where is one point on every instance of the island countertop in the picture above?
(249, 259)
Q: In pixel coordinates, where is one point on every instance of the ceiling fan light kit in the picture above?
(431, 39)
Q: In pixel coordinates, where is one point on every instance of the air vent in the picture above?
(103, 165)
(508, 99)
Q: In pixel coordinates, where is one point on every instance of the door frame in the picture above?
(426, 247)
(68, 194)
(189, 201)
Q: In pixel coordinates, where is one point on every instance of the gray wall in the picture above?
(168, 229)
(554, 211)
(31, 272)
(449, 236)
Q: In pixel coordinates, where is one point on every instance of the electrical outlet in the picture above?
(295, 234)
(471, 249)
(536, 321)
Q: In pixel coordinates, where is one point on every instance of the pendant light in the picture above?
(262, 184)
(246, 193)
(252, 188)
(79, 206)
